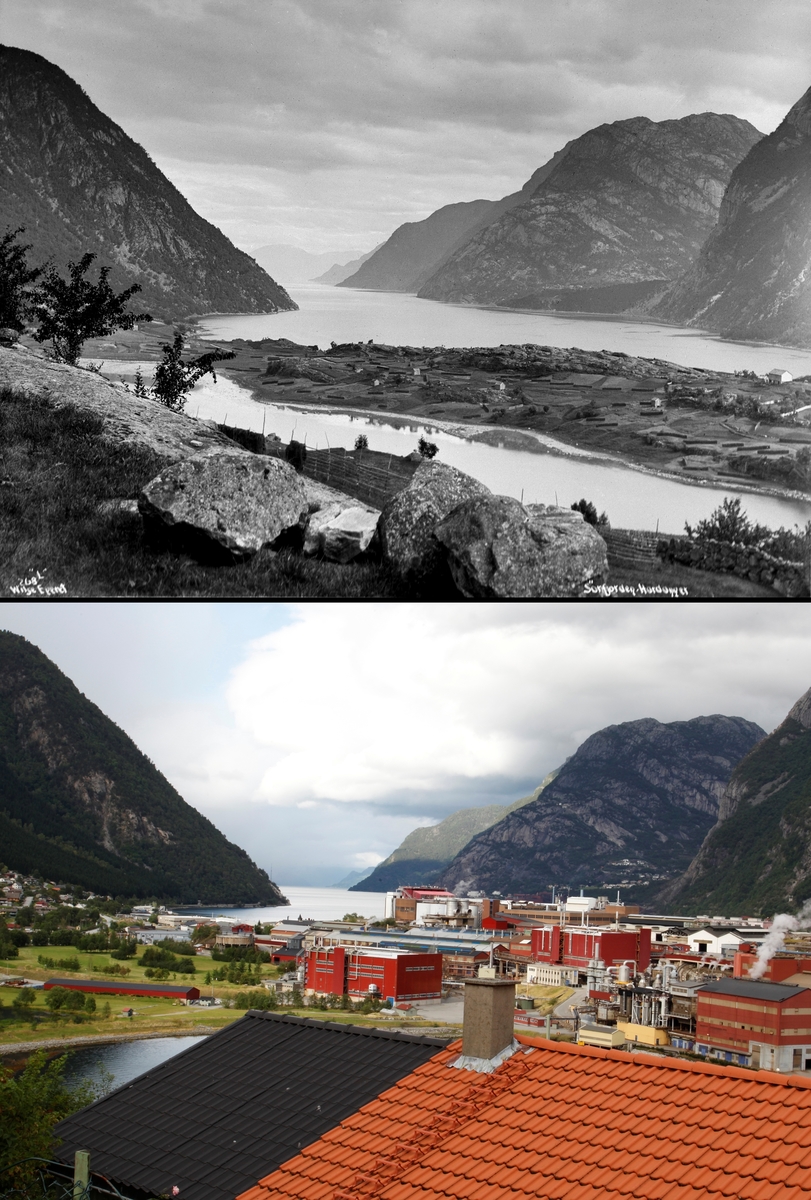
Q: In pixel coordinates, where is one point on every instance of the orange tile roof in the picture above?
(564, 1122)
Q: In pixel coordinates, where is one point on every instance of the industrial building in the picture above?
(393, 975)
(583, 948)
(766, 1025)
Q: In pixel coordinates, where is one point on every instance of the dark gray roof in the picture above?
(753, 989)
(218, 1117)
(121, 987)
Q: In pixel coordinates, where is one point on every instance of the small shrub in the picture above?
(174, 378)
(73, 310)
(16, 278)
(361, 442)
(427, 449)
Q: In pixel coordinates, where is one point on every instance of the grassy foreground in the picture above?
(68, 529)
(64, 531)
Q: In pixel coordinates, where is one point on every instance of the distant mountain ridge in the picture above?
(78, 184)
(418, 248)
(637, 797)
(292, 266)
(757, 859)
(427, 850)
(628, 203)
(752, 278)
(80, 804)
(338, 272)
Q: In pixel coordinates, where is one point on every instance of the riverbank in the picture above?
(675, 423)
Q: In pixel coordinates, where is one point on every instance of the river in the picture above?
(539, 469)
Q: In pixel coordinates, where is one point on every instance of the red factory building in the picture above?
(385, 974)
(755, 1024)
(580, 947)
(777, 969)
(173, 991)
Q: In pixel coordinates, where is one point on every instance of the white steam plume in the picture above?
(775, 939)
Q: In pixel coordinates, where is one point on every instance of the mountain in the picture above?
(752, 278)
(293, 266)
(415, 250)
(427, 850)
(80, 803)
(349, 880)
(635, 799)
(629, 203)
(341, 271)
(79, 184)
(757, 858)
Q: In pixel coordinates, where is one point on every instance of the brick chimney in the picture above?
(487, 1036)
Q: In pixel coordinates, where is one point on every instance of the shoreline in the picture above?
(14, 1049)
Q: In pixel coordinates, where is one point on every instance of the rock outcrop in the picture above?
(82, 805)
(757, 858)
(498, 549)
(224, 507)
(78, 184)
(752, 278)
(408, 542)
(341, 531)
(633, 802)
(628, 203)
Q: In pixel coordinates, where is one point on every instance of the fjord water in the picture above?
(330, 314)
(309, 903)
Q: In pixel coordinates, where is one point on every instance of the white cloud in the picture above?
(371, 704)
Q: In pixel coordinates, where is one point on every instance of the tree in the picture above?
(73, 310)
(427, 449)
(16, 278)
(32, 1102)
(90, 1003)
(361, 442)
(174, 378)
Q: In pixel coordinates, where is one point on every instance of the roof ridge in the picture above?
(391, 1164)
(642, 1058)
(392, 1035)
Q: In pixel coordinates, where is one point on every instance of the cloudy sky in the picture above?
(318, 735)
(324, 124)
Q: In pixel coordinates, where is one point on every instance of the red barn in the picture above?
(577, 947)
(386, 974)
(174, 991)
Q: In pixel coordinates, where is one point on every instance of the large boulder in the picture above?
(499, 549)
(407, 523)
(340, 530)
(224, 507)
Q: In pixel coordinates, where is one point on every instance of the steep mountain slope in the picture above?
(635, 798)
(629, 202)
(417, 249)
(80, 803)
(78, 184)
(757, 859)
(752, 278)
(424, 852)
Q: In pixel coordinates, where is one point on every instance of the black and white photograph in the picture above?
(416, 300)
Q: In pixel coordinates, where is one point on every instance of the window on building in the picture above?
(702, 947)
